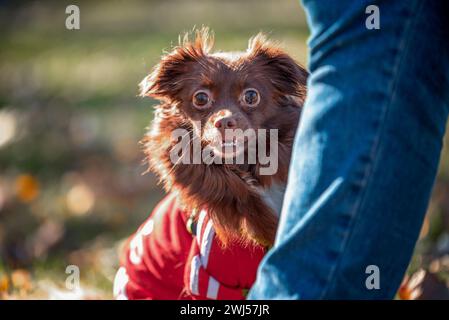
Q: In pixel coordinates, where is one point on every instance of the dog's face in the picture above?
(224, 93)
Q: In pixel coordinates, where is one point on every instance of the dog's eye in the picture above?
(251, 97)
(201, 99)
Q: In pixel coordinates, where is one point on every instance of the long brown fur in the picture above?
(231, 193)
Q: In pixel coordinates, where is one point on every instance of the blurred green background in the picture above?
(71, 172)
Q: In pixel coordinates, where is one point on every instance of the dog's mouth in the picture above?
(230, 148)
(229, 144)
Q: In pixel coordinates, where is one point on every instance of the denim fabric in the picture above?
(366, 152)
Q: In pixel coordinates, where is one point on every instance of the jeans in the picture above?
(366, 152)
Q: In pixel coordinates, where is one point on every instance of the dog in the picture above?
(207, 237)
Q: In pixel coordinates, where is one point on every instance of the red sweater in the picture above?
(163, 260)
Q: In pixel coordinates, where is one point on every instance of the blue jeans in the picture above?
(366, 152)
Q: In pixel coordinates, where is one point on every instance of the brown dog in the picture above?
(262, 88)
(206, 239)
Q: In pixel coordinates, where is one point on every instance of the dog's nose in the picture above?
(225, 123)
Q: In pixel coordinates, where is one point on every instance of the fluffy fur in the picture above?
(231, 193)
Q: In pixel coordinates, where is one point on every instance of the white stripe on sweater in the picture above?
(120, 282)
(206, 243)
(200, 225)
(194, 274)
(212, 288)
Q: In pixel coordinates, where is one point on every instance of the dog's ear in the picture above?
(167, 78)
(287, 76)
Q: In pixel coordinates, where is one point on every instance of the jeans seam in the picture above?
(373, 159)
